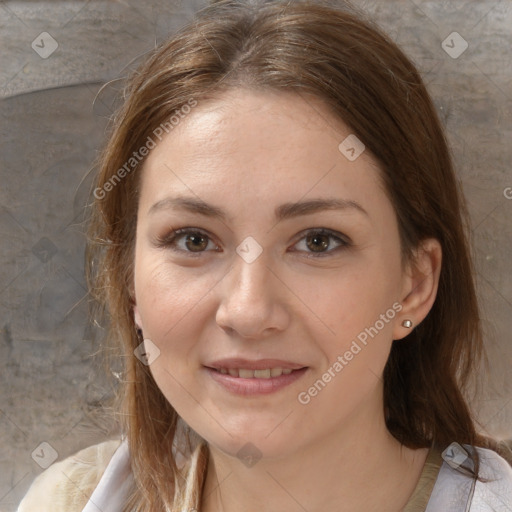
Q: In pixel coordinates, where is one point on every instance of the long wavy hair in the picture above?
(325, 49)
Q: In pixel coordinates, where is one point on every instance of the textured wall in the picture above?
(55, 56)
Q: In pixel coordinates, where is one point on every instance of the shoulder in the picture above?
(68, 484)
(454, 488)
(494, 491)
(494, 463)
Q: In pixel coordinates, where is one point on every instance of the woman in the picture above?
(278, 236)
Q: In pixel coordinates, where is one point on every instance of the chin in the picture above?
(251, 448)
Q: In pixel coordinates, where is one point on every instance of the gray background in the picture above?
(52, 127)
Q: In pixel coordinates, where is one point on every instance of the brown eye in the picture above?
(318, 242)
(196, 242)
(187, 241)
(321, 243)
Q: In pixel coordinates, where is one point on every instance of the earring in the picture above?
(140, 336)
(407, 324)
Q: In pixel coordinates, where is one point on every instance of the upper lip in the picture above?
(260, 364)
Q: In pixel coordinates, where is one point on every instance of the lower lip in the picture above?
(240, 386)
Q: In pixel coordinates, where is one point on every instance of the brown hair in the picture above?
(328, 51)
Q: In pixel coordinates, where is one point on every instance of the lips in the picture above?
(247, 373)
(261, 364)
(245, 377)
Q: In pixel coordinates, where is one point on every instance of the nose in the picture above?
(253, 300)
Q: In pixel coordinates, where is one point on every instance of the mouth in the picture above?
(246, 373)
(243, 377)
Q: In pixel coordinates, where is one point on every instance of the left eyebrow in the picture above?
(282, 212)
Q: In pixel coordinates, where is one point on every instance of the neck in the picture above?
(357, 468)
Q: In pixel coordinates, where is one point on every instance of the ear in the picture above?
(136, 317)
(421, 281)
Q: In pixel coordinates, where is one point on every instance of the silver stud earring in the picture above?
(407, 324)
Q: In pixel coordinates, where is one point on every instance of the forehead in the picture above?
(278, 146)
(256, 118)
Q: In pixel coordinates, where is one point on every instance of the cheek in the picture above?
(362, 319)
(359, 311)
(357, 297)
(172, 306)
(168, 297)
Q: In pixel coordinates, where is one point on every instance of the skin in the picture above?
(248, 152)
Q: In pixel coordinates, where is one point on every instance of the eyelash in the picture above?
(169, 241)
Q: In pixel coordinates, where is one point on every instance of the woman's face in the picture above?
(273, 314)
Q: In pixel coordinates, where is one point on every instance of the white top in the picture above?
(456, 492)
(453, 490)
(114, 484)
